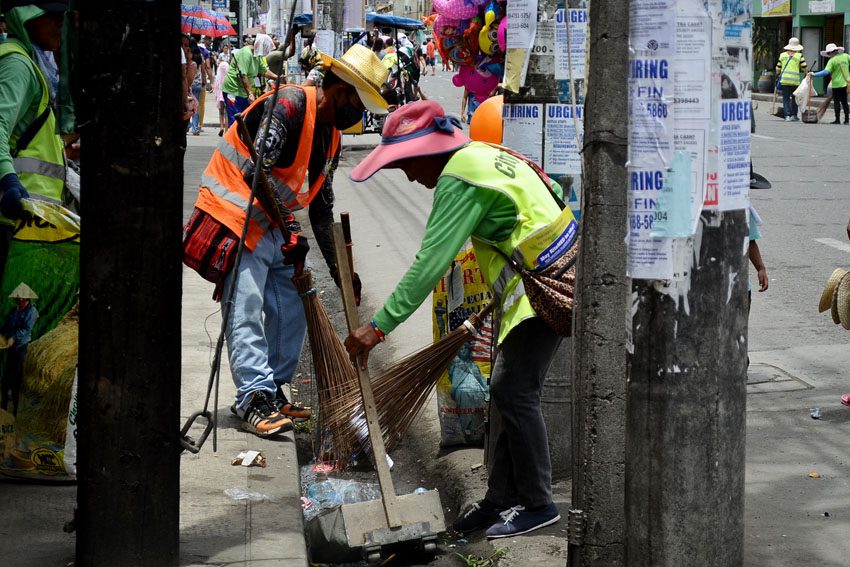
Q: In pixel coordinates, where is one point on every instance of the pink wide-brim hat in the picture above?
(417, 129)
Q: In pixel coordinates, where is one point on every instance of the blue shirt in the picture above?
(19, 324)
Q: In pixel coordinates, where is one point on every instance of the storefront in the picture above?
(815, 22)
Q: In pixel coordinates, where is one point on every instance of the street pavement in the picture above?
(799, 362)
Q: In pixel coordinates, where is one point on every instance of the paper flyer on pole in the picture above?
(652, 49)
(652, 39)
(732, 70)
(574, 51)
(523, 129)
(563, 144)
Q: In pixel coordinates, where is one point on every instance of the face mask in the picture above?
(347, 116)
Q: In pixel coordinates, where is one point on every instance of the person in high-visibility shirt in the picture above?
(500, 201)
(838, 68)
(32, 159)
(266, 327)
(790, 70)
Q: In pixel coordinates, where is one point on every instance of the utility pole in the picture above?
(687, 388)
(129, 390)
(596, 527)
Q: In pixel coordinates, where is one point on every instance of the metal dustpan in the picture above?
(365, 528)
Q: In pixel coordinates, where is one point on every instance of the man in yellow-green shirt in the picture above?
(838, 68)
(790, 70)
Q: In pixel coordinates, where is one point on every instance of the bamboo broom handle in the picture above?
(379, 452)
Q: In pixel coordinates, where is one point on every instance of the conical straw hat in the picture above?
(831, 284)
(361, 68)
(23, 291)
(843, 301)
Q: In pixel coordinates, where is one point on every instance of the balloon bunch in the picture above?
(471, 33)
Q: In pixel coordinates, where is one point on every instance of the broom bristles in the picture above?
(402, 391)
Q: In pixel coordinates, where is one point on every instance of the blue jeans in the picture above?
(193, 123)
(234, 105)
(266, 327)
(789, 103)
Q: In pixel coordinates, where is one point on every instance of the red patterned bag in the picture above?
(209, 248)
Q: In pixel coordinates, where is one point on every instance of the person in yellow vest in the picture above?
(266, 327)
(32, 160)
(838, 68)
(496, 198)
(790, 70)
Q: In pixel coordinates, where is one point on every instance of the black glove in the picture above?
(10, 201)
(355, 283)
(295, 251)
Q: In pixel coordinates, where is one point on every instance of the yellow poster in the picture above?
(775, 7)
(463, 390)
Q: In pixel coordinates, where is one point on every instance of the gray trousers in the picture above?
(519, 468)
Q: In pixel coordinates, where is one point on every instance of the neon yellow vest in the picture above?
(791, 74)
(41, 165)
(542, 232)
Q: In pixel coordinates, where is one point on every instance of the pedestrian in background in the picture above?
(246, 65)
(223, 66)
(429, 56)
(198, 85)
(790, 70)
(838, 68)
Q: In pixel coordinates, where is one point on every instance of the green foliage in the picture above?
(477, 561)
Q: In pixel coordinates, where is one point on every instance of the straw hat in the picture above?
(417, 129)
(842, 301)
(23, 291)
(829, 290)
(793, 45)
(830, 49)
(361, 69)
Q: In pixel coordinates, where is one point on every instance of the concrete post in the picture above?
(686, 414)
(128, 495)
(597, 529)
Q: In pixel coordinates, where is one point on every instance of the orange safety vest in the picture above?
(224, 194)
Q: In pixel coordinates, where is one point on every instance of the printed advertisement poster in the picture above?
(574, 51)
(775, 7)
(649, 258)
(734, 154)
(821, 6)
(693, 141)
(652, 50)
(522, 23)
(693, 68)
(563, 143)
(523, 129)
(463, 390)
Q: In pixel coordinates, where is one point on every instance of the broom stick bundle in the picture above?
(335, 376)
(403, 389)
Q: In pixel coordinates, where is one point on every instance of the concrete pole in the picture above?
(596, 526)
(686, 414)
(128, 495)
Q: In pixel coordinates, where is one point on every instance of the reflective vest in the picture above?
(40, 165)
(543, 232)
(791, 73)
(224, 193)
